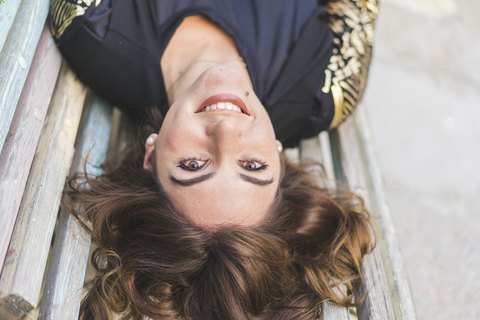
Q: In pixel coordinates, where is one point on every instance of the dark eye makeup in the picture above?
(192, 164)
(196, 164)
(254, 164)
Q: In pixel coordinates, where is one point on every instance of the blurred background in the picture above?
(423, 103)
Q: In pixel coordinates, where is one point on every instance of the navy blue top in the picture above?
(116, 46)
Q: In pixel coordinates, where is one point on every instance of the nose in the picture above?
(226, 132)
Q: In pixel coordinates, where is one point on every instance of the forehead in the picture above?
(223, 199)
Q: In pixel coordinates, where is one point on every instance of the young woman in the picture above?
(205, 219)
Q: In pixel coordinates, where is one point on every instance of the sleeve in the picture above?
(352, 22)
(79, 27)
(62, 13)
(68, 16)
(114, 48)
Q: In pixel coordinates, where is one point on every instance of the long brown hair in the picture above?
(151, 261)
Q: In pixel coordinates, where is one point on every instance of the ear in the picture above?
(149, 149)
(279, 146)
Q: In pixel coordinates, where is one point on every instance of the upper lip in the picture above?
(224, 97)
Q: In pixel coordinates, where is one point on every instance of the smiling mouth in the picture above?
(222, 105)
(225, 102)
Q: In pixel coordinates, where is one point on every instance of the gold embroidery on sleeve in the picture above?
(353, 22)
(64, 11)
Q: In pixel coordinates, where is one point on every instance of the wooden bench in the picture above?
(50, 121)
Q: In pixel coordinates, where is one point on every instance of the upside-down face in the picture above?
(216, 154)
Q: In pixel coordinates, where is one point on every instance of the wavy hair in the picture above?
(152, 262)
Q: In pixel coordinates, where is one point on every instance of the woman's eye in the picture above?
(192, 165)
(253, 165)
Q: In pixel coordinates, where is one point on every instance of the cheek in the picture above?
(262, 134)
(177, 135)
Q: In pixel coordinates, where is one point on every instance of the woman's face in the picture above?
(219, 166)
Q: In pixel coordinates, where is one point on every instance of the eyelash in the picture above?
(181, 164)
(263, 167)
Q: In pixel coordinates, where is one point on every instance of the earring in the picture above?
(150, 141)
(280, 148)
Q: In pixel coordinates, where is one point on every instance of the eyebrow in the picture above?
(190, 182)
(256, 181)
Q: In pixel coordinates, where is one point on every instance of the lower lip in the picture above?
(224, 97)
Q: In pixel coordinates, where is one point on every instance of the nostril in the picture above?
(224, 128)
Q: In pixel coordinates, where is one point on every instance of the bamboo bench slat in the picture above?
(63, 287)
(16, 57)
(401, 297)
(26, 128)
(23, 271)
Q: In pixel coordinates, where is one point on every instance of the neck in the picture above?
(196, 46)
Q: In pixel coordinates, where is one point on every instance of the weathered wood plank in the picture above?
(123, 134)
(402, 300)
(311, 153)
(19, 148)
(311, 156)
(355, 164)
(332, 311)
(8, 11)
(32, 315)
(350, 169)
(16, 57)
(327, 155)
(63, 288)
(292, 154)
(22, 274)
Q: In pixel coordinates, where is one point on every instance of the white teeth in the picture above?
(223, 105)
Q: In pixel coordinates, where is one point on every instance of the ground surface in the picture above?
(423, 102)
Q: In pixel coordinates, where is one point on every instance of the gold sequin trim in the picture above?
(353, 23)
(64, 11)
